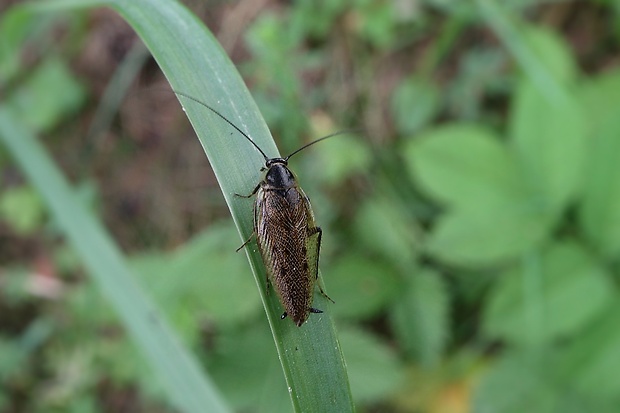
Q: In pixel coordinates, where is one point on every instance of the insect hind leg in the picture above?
(247, 241)
(319, 233)
(325, 295)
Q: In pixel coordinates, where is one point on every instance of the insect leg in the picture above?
(251, 195)
(254, 232)
(315, 310)
(245, 243)
(319, 232)
(325, 295)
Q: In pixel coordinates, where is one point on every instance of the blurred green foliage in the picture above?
(471, 241)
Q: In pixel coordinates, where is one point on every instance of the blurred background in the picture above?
(471, 235)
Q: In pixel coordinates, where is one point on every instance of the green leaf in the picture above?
(382, 226)
(486, 234)
(591, 359)
(599, 212)
(227, 294)
(551, 145)
(517, 383)
(492, 216)
(204, 273)
(245, 366)
(571, 289)
(551, 51)
(463, 164)
(421, 317)
(526, 381)
(363, 285)
(374, 369)
(340, 158)
(599, 95)
(503, 202)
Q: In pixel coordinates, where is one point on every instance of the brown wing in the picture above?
(282, 235)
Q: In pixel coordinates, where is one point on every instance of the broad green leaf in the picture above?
(374, 369)
(551, 51)
(551, 145)
(548, 127)
(517, 383)
(245, 366)
(362, 286)
(487, 234)
(599, 212)
(177, 280)
(340, 158)
(226, 294)
(421, 317)
(382, 227)
(591, 360)
(571, 290)
(525, 381)
(463, 164)
(599, 96)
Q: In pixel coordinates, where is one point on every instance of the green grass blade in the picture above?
(187, 387)
(195, 64)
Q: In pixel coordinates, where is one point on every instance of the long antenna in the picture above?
(249, 139)
(321, 139)
(230, 123)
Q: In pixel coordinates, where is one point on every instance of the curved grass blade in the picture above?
(187, 387)
(194, 63)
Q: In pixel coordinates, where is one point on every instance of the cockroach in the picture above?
(288, 238)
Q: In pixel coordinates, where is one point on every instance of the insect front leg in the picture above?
(253, 232)
(319, 233)
(251, 195)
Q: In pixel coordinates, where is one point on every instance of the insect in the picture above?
(288, 238)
